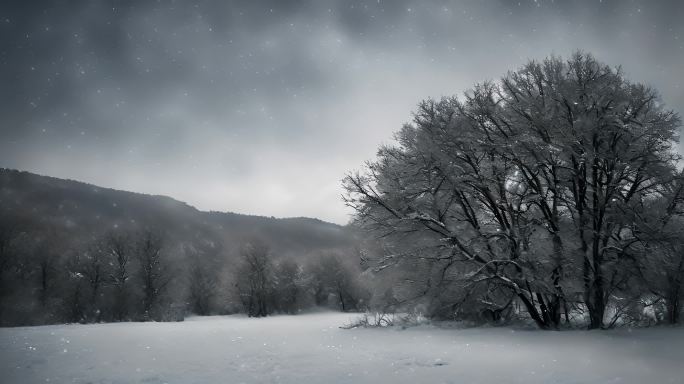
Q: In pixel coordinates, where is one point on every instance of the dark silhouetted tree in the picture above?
(527, 189)
(154, 276)
(254, 279)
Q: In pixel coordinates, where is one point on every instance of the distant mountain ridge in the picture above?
(85, 209)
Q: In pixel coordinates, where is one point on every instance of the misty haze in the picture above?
(374, 191)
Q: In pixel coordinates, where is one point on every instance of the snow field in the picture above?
(312, 348)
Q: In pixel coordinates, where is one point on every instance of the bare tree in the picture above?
(332, 277)
(203, 275)
(659, 232)
(288, 285)
(12, 239)
(45, 257)
(94, 269)
(119, 251)
(10, 234)
(254, 279)
(523, 188)
(153, 273)
(74, 301)
(202, 288)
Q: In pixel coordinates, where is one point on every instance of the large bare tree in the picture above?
(524, 190)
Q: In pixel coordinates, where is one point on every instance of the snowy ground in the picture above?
(312, 349)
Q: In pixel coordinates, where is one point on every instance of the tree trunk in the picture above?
(532, 310)
(597, 302)
(558, 296)
(673, 312)
(673, 308)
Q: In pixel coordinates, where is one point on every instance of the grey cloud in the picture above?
(261, 106)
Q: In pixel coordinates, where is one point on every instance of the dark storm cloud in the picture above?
(261, 106)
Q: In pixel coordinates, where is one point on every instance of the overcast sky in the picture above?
(261, 107)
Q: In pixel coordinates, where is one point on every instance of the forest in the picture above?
(76, 253)
(138, 276)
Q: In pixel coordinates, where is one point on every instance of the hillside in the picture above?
(88, 210)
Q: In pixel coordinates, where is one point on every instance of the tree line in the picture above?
(265, 286)
(141, 274)
(554, 194)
